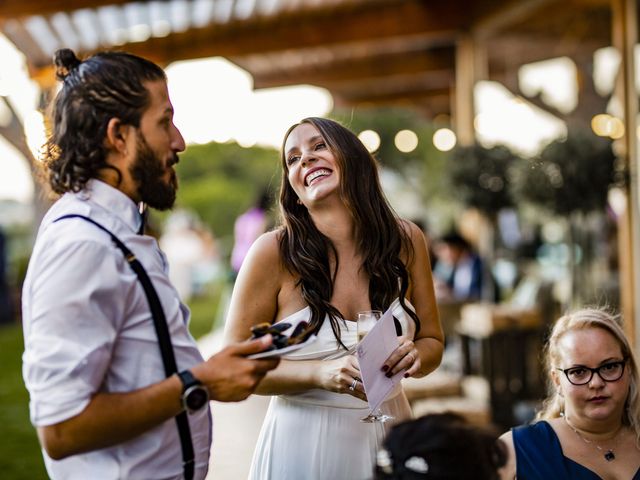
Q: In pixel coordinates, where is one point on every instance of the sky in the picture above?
(214, 101)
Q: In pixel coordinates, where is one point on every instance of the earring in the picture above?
(299, 202)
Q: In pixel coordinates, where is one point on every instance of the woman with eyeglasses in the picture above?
(589, 425)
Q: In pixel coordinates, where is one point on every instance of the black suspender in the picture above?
(164, 340)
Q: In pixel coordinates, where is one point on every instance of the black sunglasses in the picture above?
(280, 340)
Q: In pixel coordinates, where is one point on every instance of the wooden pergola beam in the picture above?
(512, 12)
(362, 69)
(393, 96)
(625, 38)
(429, 105)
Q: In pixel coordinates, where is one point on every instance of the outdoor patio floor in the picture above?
(235, 427)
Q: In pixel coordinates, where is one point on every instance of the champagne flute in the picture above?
(366, 321)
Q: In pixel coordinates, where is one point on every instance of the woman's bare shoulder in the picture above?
(413, 231)
(407, 225)
(263, 260)
(267, 246)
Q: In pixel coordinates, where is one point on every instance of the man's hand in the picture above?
(230, 376)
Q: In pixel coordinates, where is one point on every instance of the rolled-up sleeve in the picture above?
(73, 309)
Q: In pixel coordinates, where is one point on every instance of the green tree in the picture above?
(571, 179)
(220, 180)
(570, 175)
(482, 177)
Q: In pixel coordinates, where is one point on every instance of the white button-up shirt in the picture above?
(88, 328)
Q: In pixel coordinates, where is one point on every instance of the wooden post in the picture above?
(624, 39)
(465, 79)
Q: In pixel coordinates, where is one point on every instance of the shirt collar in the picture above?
(114, 201)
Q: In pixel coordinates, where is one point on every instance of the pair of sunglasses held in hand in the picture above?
(299, 334)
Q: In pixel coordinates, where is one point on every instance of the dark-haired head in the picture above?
(440, 447)
(454, 239)
(358, 169)
(104, 86)
(380, 237)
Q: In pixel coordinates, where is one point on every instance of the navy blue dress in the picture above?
(539, 456)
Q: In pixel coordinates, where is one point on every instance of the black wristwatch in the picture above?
(194, 395)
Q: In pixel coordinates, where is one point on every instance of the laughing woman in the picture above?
(340, 250)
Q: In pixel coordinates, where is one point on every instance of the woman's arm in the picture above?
(262, 294)
(422, 355)
(255, 293)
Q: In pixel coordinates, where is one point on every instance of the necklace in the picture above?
(609, 454)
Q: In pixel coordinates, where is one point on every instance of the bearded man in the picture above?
(107, 402)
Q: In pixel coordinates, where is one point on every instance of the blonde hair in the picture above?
(553, 405)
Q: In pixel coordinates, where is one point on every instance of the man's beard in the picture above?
(147, 171)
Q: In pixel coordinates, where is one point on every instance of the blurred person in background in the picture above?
(191, 251)
(340, 250)
(104, 401)
(589, 424)
(459, 270)
(441, 446)
(247, 228)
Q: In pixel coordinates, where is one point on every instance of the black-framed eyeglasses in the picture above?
(609, 372)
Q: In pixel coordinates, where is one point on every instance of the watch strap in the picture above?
(188, 380)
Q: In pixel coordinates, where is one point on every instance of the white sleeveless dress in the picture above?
(317, 434)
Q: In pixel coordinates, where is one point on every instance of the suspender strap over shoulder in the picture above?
(164, 339)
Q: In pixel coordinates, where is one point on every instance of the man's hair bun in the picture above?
(65, 61)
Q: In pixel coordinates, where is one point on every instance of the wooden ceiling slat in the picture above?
(40, 30)
(266, 7)
(66, 31)
(244, 9)
(112, 24)
(16, 32)
(201, 13)
(159, 19)
(179, 14)
(25, 8)
(88, 27)
(427, 96)
(223, 11)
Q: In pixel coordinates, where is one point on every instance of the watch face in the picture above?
(196, 397)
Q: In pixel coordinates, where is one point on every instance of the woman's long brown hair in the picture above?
(381, 239)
